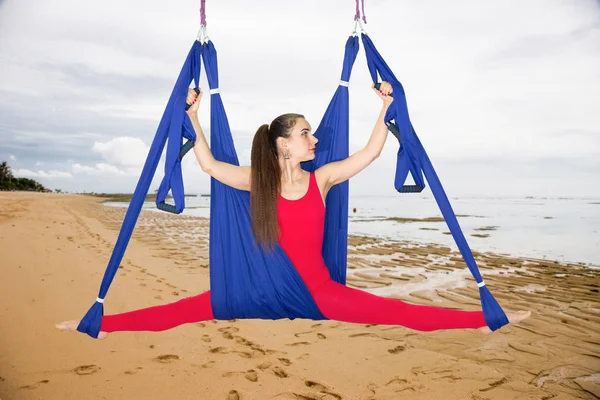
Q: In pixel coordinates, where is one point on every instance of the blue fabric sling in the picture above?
(247, 281)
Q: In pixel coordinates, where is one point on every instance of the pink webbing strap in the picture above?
(357, 16)
(203, 12)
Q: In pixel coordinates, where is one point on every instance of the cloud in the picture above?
(41, 174)
(99, 169)
(123, 152)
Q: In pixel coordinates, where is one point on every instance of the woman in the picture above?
(277, 181)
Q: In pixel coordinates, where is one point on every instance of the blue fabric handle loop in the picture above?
(393, 128)
(163, 205)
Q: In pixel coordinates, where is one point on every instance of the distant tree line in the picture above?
(9, 182)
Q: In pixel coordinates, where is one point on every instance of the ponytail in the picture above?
(266, 178)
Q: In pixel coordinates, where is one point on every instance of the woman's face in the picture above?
(301, 143)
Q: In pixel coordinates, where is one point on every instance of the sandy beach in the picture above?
(54, 250)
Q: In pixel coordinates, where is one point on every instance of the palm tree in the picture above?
(5, 172)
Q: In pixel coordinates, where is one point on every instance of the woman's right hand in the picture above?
(194, 100)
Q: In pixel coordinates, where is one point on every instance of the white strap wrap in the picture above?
(344, 83)
(481, 284)
(215, 91)
(99, 300)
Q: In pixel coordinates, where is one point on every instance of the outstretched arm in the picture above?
(337, 172)
(229, 174)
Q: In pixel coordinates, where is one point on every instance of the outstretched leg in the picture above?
(160, 318)
(342, 303)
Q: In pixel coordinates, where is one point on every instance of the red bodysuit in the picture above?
(301, 223)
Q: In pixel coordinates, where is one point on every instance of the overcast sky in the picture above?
(504, 94)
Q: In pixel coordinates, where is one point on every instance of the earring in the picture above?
(286, 155)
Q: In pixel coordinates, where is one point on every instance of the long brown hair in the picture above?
(266, 178)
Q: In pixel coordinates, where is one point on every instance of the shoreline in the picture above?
(484, 231)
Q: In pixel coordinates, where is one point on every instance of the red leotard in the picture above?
(301, 223)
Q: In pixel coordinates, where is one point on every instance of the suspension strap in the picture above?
(202, 33)
(203, 12)
(357, 15)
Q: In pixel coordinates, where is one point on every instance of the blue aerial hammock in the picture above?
(245, 280)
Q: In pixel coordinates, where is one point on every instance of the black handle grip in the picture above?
(378, 85)
(187, 106)
(410, 189)
(167, 208)
(392, 127)
(185, 148)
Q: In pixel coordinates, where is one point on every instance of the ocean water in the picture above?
(562, 229)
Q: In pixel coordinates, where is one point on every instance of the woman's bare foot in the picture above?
(71, 326)
(513, 318)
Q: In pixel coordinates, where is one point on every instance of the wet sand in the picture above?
(54, 250)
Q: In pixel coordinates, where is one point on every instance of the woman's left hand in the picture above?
(384, 92)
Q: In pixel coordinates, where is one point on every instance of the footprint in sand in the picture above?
(166, 358)
(279, 372)
(35, 385)
(260, 350)
(233, 395)
(263, 366)
(251, 375)
(206, 338)
(243, 354)
(316, 385)
(363, 334)
(323, 389)
(297, 344)
(219, 350)
(396, 350)
(285, 361)
(302, 333)
(228, 331)
(242, 341)
(86, 369)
